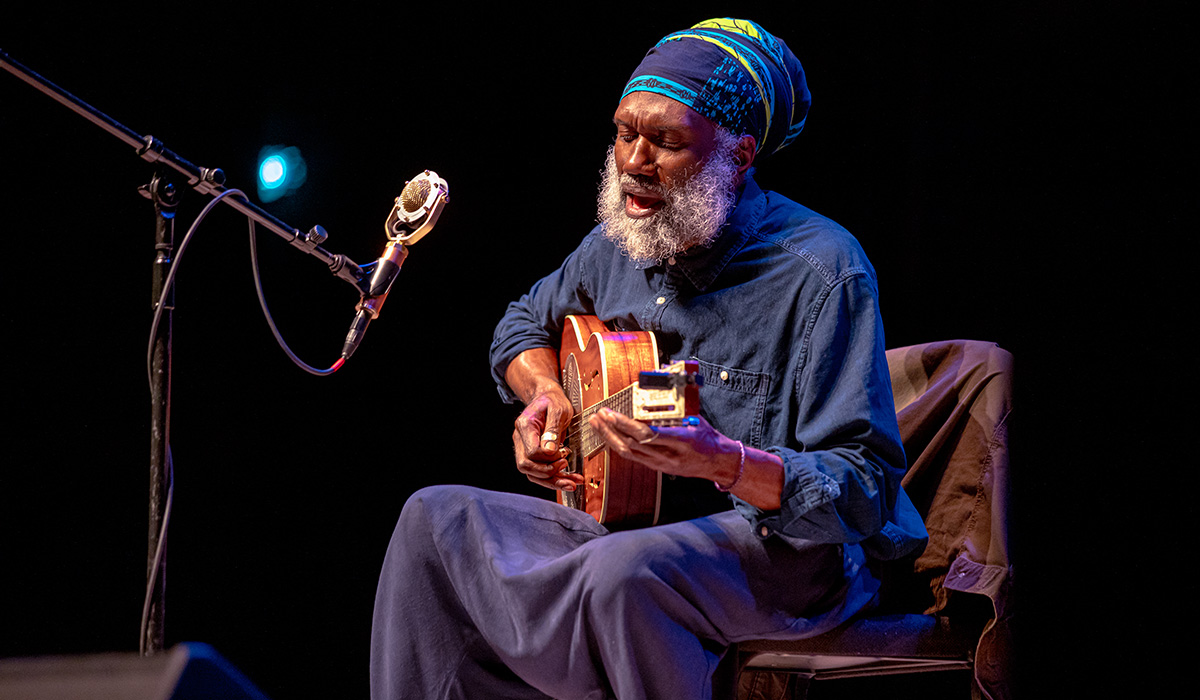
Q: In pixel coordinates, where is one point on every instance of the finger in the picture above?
(544, 423)
(622, 423)
(555, 484)
(558, 420)
(530, 424)
(532, 465)
(620, 442)
(561, 481)
(526, 422)
(530, 458)
(544, 477)
(663, 453)
(701, 438)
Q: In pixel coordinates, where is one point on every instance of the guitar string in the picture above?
(618, 401)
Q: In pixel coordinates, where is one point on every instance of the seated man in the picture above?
(772, 504)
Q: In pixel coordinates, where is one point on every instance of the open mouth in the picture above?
(640, 203)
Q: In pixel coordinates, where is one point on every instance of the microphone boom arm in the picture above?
(208, 181)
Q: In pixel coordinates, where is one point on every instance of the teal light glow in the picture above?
(273, 172)
(281, 171)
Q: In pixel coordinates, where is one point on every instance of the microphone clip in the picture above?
(384, 273)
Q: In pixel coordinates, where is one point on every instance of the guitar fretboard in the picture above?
(585, 440)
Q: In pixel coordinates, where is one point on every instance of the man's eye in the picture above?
(669, 145)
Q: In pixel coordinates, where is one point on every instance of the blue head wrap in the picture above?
(734, 73)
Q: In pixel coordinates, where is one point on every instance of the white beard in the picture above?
(691, 214)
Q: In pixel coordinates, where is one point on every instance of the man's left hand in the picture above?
(698, 451)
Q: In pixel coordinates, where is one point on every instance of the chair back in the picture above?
(953, 403)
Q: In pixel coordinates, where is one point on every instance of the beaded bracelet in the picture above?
(741, 469)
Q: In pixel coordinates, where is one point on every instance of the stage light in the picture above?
(281, 170)
(273, 172)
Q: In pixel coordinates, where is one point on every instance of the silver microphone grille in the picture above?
(414, 194)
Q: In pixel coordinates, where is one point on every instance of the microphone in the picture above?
(416, 211)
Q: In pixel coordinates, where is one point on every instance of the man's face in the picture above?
(670, 180)
(660, 142)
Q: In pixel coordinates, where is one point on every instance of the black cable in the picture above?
(262, 301)
(152, 579)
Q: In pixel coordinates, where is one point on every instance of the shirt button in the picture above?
(764, 531)
(660, 301)
(724, 376)
(671, 260)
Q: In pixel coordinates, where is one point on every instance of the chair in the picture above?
(949, 608)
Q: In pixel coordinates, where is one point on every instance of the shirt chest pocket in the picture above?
(734, 401)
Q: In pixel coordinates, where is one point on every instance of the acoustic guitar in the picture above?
(619, 370)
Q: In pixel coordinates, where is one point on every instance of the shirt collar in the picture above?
(702, 264)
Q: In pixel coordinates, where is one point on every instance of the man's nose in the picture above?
(639, 158)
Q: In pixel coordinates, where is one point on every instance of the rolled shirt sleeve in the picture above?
(536, 319)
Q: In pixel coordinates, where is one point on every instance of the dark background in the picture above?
(1013, 174)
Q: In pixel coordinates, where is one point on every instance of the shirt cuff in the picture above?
(804, 489)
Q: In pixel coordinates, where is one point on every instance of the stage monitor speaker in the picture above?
(191, 671)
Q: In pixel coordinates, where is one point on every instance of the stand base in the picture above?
(184, 672)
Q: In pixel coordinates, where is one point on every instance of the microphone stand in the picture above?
(164, 195)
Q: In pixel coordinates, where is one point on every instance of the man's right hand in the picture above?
(539, 431)
(537, 441)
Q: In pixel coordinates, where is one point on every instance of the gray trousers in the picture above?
(496, 595)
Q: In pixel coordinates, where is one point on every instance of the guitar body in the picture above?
(597, 364)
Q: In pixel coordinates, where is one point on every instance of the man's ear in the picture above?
(745, 152)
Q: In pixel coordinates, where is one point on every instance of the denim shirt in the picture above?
(781, 312)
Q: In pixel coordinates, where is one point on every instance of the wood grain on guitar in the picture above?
(619, 370)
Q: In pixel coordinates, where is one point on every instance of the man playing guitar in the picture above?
(774, 498)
